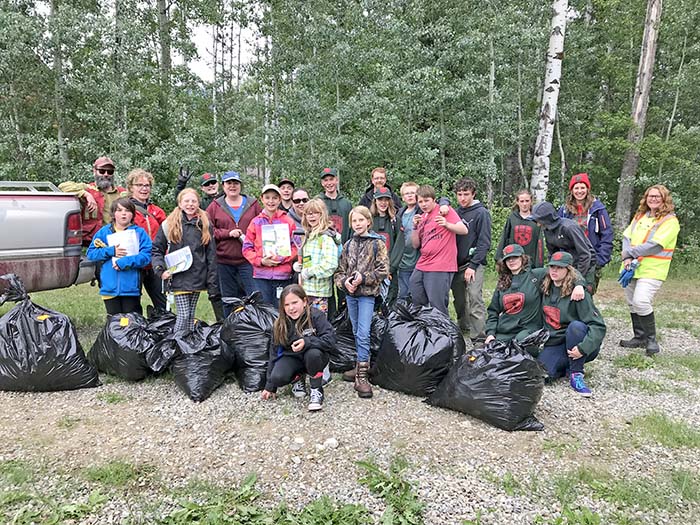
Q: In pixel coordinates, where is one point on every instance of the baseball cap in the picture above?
(286, 181)
(103, 161)
(513, 250)
(270, 187)
(207, 177)
(382, 192)
(329, 172)
(562, 259)
(231, 175)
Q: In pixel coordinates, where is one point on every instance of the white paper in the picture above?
(125, 239)
(275, 240)
(179, 260)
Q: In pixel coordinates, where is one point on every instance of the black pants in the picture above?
(124, 304)
(154, 288)
(287, 367)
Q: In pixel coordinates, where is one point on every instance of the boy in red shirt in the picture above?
(435, 236)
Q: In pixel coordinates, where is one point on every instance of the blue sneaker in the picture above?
(578, 384)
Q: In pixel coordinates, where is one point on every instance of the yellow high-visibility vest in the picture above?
(663, 231)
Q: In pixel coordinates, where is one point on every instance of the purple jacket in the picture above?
(599, 231)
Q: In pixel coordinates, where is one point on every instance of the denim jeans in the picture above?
(235, 280)
(268, 289)
(361, 310)
(404, 286)
(555, 359)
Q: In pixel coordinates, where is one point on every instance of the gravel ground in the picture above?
(457, 464)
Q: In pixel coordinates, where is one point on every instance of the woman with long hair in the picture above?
(187, 226)
(302, 338)
(576, 328)
(648, 244)
(385, 224)
(521, 229)
(584, 208)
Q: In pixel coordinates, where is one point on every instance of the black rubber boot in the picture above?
(649, 326)
(639, 340)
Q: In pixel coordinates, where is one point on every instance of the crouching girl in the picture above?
(576, 328)
(301, 341)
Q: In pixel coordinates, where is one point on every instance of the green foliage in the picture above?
(68, 422)
(112, 398)
(23, 508)
(634, 361)
(117, 473)
(669, 432)
(15, 472)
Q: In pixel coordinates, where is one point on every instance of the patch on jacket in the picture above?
(522, 234)
(513, 303)
(552, 316)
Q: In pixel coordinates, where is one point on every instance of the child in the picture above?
(187, 225)
(271, 270)
(364, 264)
(301, 340)
(385, 224)
(408, 254)
(576, 329)
(120, 274)
(521, 229)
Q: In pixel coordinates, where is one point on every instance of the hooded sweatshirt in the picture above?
(473, 247)
(565, 235)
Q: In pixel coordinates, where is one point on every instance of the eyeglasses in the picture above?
(210, 183)
(654, 197)
(142, 185)
(105, 172)
(299, 201)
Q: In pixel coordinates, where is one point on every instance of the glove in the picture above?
(296, 267)
(627, 275)
(184, 175)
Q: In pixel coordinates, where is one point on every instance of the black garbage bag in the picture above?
(419, 345)
(201, 363)
(248, 330)
(39, 348)
(161, 353)
(344, 355)
(122, 346)
(376, 336)
(500, 384)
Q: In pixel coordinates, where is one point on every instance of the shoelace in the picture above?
(578, 381)
(316, 395)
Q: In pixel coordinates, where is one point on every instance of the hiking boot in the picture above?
(639, 340)
(299, 387)
(578, 384)
(327, 377)
(362, 386)
(349, 376)
(316, 399)
(648, 323)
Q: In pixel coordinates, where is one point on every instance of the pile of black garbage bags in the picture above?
(416, 350)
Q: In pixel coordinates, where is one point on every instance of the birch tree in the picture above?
(640, 104)
(550, 96)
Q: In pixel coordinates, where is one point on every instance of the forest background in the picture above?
(432, 90)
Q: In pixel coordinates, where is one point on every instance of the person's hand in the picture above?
(184, 175)
(469, 274)
(627, 263)
(444, 209)
(349, 286)
(166, 275)
(578, 293)
(119, 251)
(441, 221)
(297, 267)
(417, 219)
(298, 345)
(90, 202)
(489, 338)
(574, 353)
(235, 233)
(269, 261)
(266, 395)
(357, 279)
(115, 265)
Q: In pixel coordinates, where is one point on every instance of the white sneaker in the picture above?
(316, 401)
(299, 387)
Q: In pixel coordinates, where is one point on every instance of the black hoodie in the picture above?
(473, 247)
(368, 197)
(565, 235)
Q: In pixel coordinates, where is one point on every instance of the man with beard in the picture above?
(96, 197)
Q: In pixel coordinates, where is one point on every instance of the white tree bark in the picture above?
(640, 103)
(550, 96)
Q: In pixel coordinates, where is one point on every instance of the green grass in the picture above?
(651, 387)
(23, 508)
(560, 448)
(112, 398)
(668, 432)
(117, 473)
(15, 472)
(634, 361)
(68, 422)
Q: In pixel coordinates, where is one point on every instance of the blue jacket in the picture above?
(600, 231)
(126, 281)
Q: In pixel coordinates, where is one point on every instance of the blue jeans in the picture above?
(235, 280)
(361, 310)
(404, 286)
(555, 359)
(268, 289)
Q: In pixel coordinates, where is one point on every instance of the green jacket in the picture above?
(339, 210)
(560, 311)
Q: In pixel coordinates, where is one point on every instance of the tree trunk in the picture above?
(58, 89)
(640, 103)
(165, 66)
(550, 96)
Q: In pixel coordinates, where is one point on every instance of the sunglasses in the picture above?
(299, 201)
(210, 183)
(105, 172)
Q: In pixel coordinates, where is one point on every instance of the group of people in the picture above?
(309, 256)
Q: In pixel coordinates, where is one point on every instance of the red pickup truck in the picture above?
(40, 239)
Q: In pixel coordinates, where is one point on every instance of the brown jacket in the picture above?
(368, 256)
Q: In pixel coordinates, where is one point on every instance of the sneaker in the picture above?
(578, 384)
(316, 401)
(299, 387)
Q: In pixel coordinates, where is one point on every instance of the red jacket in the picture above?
(228, 249)
(92, 222)
(253, 248)
(151, 219)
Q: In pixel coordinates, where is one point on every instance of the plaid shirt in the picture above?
(319, 262)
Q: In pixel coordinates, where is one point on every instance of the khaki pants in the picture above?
(469, 303)
(640, 294)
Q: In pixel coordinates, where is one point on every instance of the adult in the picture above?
(648, 242)
(590, 214)
(208, 184)
(148, 216)
(230, 216)
(472, 250)
(576, 328)
(120, 270)
(286, 187)
(271, 255)
(435, 235)
(96, 197)
(377, 183)
(566, 235)
(338, 205)
(404, 218)
(299, 199)
(521, 229)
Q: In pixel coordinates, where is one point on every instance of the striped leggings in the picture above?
(186, 304)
